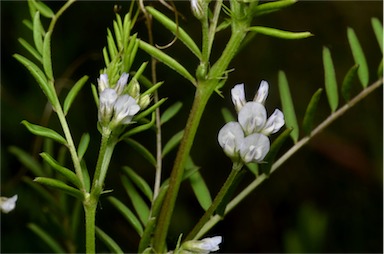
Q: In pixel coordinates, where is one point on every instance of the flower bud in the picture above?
(144, 101)
(203, 246)
(134, 89)
(198, 9)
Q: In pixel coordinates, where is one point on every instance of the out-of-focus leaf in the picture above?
(275, 147)
(43, 193)
(128, 215)
(176, 30)
(159, 199)
(68, 174)
(310, 112)
(380, 69)
(142, 150)
(86, 178)
(346, 87)
(147, 235)
(170, 112)
(30, 49)
(227, 115)
(140, 183)
(378, 30)
(330, 80)
(108, 241)
(167, 60)
(83, 145)
(359, 57)
(138, 203)
(76, 216)
(60, 185)
(27, 160)
(73, 93)
(173, 142)
(201, 190)
(47, 61)
(273, 32)
(43, 9)
(47, 238)
(140, 128)
(288, 108)
(149, 110)
(44, 132)
(269, 7)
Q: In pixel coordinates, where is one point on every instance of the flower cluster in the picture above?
(247, 140)
(117, 107)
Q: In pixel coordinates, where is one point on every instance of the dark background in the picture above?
(326, 198)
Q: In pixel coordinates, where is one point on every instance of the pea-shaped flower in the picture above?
(230, 137)
(8, 204)
(254, 148)
(203, 246)
(125, 108)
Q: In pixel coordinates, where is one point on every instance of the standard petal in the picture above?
(203, 246)
(274, 123)
(238, 96)
(262, 93)
(252, 117)
(125, 108)
(103, 82)
(254, 148)
(121, 83)
(107, 101)
(230, 137)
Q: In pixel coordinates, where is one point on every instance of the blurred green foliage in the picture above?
(326, 198)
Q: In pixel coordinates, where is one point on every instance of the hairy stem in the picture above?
(333, 117)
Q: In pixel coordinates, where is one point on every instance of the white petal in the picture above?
(203, 246)
(125, 108)
(238, 96)
(121, 83)
(262, 93)
(107, 101)
(8, 204)
(254, 148)
(103, 82)
(252, 117)
(230, 137)
(274, 123)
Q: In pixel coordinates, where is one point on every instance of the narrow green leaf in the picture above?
(138, 73)
(38, 33)
(28, 24)
(46, 237)
(146, 238)
(380, 69)
(95, 94)
(75, 218)
(269, 7)
(176, 30)
(60, 185)
(159, 199)
(112, 48)
(140, 128)
(128, 214)
(348, 82)
(138, 203)
(73, 93)
(288, 108)
(106, 57)
(170, 112)
(83, 145)
(310, 112)
(67, 173)
(108, 241)
(27, 160)
(118, 35)
(43, 193)
(86, 178)
(44, 132)
(201, 190)
(378, 30)
(149, 110)
(227, 115)
(140, 183)
(47, 61)
(359, 57)
(141, 150)
(273, 32)
(30, 49)
(151, 89)
(173, 142)
(167, 60)
(40, 78)
(275, 147)
(330, 80)
(43, 9)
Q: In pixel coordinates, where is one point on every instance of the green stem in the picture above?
(90, 204)
(260, 179)
(58, 14)
(216, 202)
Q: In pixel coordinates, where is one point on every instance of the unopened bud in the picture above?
(144, 101)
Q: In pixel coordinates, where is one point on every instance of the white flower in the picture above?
(103, 82)
(203, 246)
(107, 101)
(262, 92)
(238, 96)
(274, 123)
(8, 204)
(230, 137)
(121, 83)
(254, 148)
(125, 108)
(197, 9)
